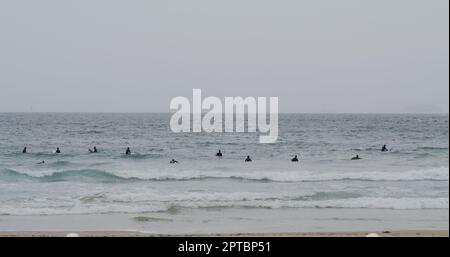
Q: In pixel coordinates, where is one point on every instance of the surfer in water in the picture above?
(42, 162)
(384, 148)
(248, 159)
(24, 150)
(93, 151)
(128, 151)
(173, 161)
(57, 150)
(295, 159)
(219, 154)
(356, 157)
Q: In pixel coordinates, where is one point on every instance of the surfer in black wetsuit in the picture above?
(384, 148)
(57, 150)
(24, 150)
(219, 154)
(356, 158)
(173, 161)
(248, 159)
(93, 151)
(128, 151)
(295, 159)
(42, 162)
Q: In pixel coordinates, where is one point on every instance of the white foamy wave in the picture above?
(438, 174)
(127, 203)
(305, 176)
(375, 203)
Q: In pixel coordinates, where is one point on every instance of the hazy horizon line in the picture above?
(168, 112)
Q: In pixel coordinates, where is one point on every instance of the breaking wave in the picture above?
(432, 174)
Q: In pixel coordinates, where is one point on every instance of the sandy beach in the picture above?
(235, 222)
(412, 233)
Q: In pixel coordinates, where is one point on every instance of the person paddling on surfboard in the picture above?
(356, 157)
(173, 161)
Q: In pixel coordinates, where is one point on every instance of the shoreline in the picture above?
(235, 223)
(406, 233)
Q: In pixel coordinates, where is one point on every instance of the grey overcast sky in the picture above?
(135, 56)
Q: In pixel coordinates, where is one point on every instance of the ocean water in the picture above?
(414, 174)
